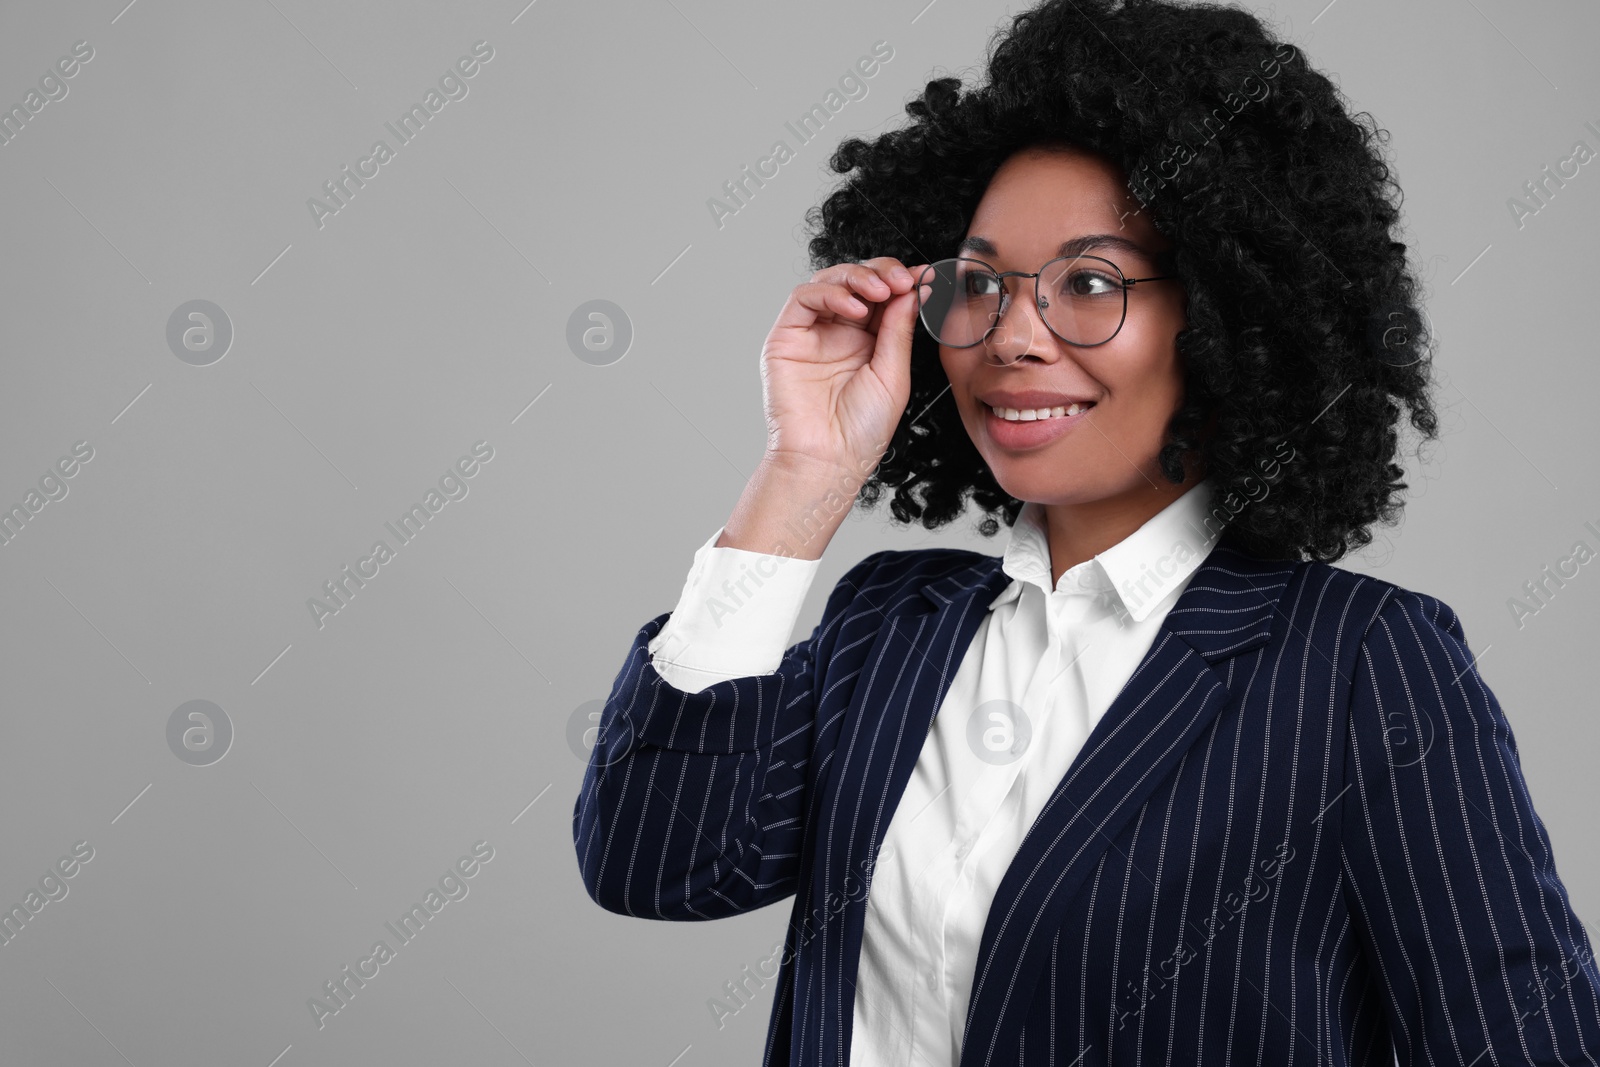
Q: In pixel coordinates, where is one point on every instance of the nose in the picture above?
(1021, 331)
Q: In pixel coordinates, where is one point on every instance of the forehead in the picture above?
(1042, 197)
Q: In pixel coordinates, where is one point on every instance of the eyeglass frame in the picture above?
(1005, 304)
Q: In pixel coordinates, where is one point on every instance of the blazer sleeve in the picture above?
(1467, 927)
(693, 805)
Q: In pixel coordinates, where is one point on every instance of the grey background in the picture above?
(369, 354)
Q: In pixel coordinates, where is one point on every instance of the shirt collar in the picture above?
(1137, 573)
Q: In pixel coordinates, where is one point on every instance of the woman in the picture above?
(1160, 784)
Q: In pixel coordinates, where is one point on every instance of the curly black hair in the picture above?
(1305, 329)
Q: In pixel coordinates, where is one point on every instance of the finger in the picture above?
(869, 283)
(901, 279)
(919, 289)
(925, 276)
(862, 278)
(891, 355)
(901, 287)
(824, 301)
(898, 274)
(901, 276)
(862, 294)
(875, 317)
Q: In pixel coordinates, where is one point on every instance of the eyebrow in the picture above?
(1073, 247)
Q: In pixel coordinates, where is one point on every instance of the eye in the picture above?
(1084, 281)
(979, 282)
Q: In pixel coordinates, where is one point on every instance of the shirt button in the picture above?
(933, 980)
(961, 853)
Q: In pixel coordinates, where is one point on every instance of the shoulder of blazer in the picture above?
(1234, 601)
(1237, 600)
(1361, 600)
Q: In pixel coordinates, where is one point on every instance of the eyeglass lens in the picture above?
(1083, 299)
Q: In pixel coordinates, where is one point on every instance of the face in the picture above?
(1130, 386)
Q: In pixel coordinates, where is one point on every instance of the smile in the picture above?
(1037, 414)
(1018, 430)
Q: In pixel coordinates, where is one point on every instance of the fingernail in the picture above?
(901, 274)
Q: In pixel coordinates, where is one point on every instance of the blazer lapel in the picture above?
(904, 678)
(1172, 697)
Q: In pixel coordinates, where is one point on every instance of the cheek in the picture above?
(1147, 381)
(1148, 367)
(955, 374)
(950, 360)
(1160, 396)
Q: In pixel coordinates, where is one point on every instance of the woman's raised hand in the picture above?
(836, 368)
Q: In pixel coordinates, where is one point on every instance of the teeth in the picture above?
(1035, 414)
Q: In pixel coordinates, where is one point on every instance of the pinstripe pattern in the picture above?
(1299, 834)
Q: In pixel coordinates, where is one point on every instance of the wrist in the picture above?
(791, 507)
(811, 473)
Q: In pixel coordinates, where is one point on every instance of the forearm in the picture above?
(791, 508)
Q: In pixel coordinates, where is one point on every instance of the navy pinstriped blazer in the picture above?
(1300, 834)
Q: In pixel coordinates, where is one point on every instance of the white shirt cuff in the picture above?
(734, 616)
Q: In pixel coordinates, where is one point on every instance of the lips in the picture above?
(1010, 414)
(1022, 434)
(1033, 398)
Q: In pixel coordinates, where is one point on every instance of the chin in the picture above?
(1060, 482)
(1055, 486)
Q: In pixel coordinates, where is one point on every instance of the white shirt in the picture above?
(1043, 667)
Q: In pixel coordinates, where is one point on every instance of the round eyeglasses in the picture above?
(1082, 299)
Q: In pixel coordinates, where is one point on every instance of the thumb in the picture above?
(891, 355)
